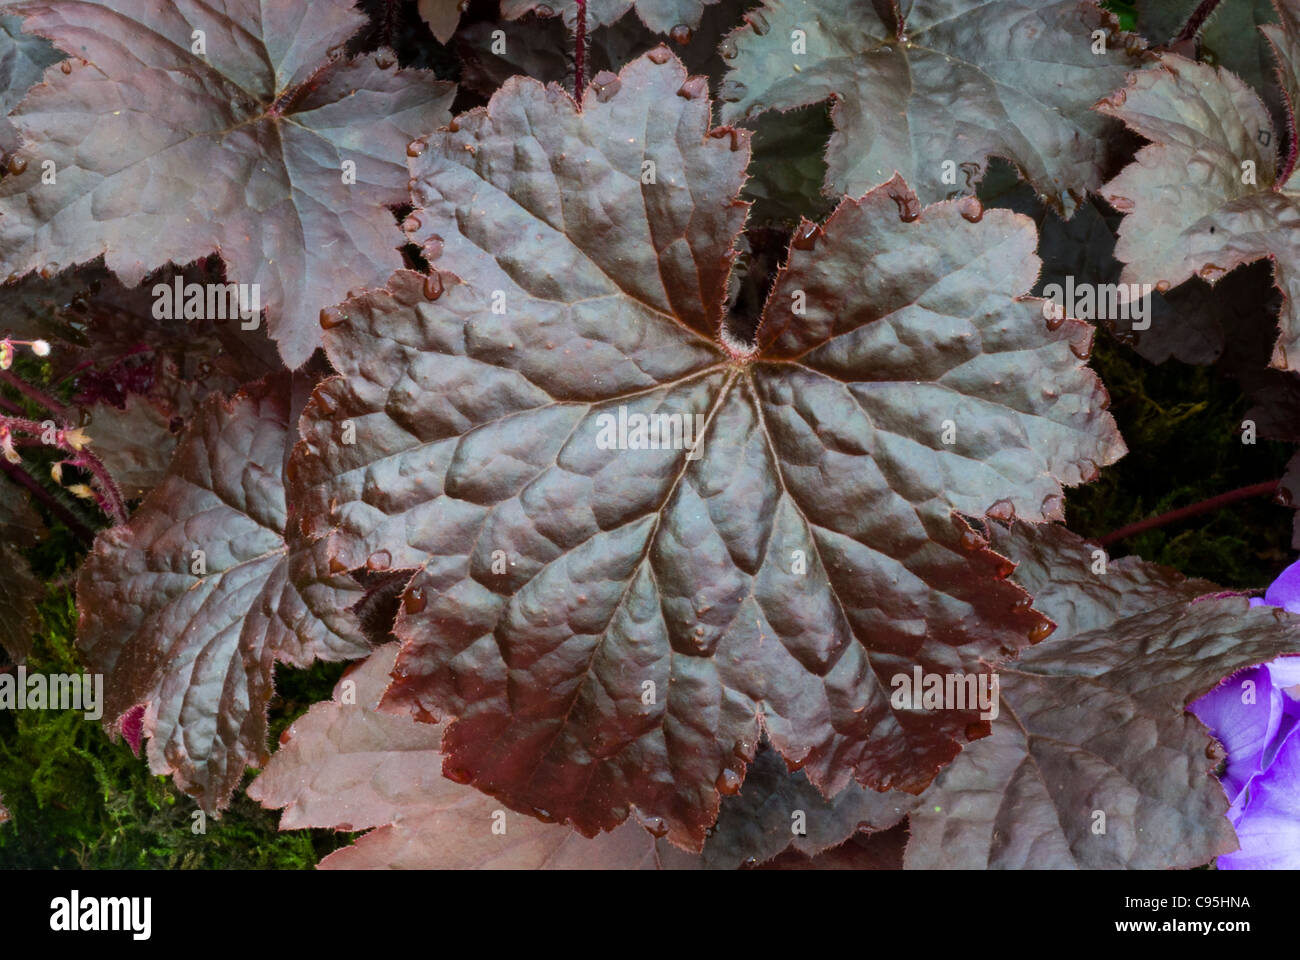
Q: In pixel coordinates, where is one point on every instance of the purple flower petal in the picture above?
(1246, 729)
(1284, 592)
(1269, 826)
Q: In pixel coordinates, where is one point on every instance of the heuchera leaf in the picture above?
(758, 824)
(951, 82)
(1208, 193)
(163, 154)
(23, 58)
(803, 554)
(347, 766)
(195, 635)
(659, 15)
(1229, 37)
(1093, 720)
(442, 16)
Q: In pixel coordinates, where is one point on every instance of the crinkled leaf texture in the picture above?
(165, 155)
(608, 624)
(196, 636)
(659, 15)
(1093, 720)
(348, 766)
(963, 80)
(23, 58)
(1208, 193)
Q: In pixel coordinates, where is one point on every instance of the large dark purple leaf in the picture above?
(959, 81)
(1209, 193)
(1093, 761)
(805, 554)
(195, 636)
(249, 148)
(348, 766)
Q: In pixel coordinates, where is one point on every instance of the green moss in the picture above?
(80, 801)
(1182, 425)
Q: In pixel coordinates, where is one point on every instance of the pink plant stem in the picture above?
(110, 497)
(1182, 513)
(38, 395)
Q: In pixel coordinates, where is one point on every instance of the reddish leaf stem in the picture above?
(23, 479)
(1182, 513)
(1194, 23)
(580, 53)
(37, 394)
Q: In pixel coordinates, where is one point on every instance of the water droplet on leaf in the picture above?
(1041, 631)
(728, 782)
(660, 55)
(414, 602)
(606, 84)
(379, 560)
(331, 317)
(680, 34)
(432, 286)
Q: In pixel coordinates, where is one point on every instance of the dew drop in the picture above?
(66, 66)
(415, 148)
(745, 749)
(728, 782)
(1088, 470)
(1002, 510)
(1054, 314)
(971, 210)
(660, 55)
(680, 34)
(457, 774)
(1053, 506)
(337, 565)
(1082, 348)
(805, 236)
(728, 50)
(605, 84)
(1284, 496)
(1162, 286)
(1211, 272)
(694, 88)
(433, 286)
(656, 826)
(411, 224)
(331, 317)
(415, 601)
(384, 60)
(16, 165)
(1122, 204)
(1041, 631)
(285, 734)
(431, 249)
(379, 560)
(971, 541)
